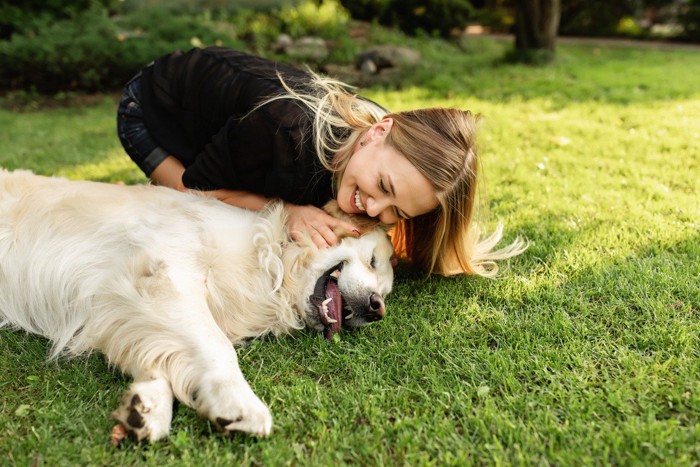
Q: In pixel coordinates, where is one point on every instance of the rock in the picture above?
(378, 58)
(281, 43)
(304, 48)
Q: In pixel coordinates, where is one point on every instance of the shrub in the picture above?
(326, 19)
(628, 26)
(16, 15)
(92, 51)
(593, 17)
(690, 20)
(435, 17)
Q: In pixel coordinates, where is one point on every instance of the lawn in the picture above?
(583, 351)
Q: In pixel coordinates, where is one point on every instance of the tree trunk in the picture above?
(536, 26)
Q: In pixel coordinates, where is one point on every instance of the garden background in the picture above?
(583, 351)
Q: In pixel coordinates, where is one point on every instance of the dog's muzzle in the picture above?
(334, 310)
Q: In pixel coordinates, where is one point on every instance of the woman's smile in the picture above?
(357, 201)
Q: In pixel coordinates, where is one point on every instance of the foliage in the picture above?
(91, 51)
(628, 26)
(496, 18)
(594, 17)
(635, 18)
(15, 15)
(326, 19)
(439, 17)
(690, 20)
(583, 352)
(257, 29)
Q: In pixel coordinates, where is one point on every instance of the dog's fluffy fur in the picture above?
(162, 283)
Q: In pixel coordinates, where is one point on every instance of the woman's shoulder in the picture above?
(257, 66)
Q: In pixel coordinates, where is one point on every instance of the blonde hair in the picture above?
(440, 143)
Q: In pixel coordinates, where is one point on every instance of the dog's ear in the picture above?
(363, 223)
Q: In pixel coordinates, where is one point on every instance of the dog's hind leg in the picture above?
(147, 408)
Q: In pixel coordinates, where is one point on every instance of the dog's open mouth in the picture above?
(328, 300)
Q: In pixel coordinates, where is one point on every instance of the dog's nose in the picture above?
(376, 307)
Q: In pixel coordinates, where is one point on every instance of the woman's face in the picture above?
(380, 182)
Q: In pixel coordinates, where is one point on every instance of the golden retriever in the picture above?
(163, 283)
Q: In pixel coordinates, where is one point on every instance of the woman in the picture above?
(247, 130)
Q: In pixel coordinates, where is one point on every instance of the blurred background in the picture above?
(53, 46)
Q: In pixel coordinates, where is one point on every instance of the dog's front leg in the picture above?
(218, 389)
(147, 407)
(174, 341)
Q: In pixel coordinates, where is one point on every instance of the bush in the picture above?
(326, 19)
(92, 51)
(593, 17)
(16, 15)
(435, 17)
(690, 20)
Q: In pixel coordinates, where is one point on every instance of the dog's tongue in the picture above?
(333, 318)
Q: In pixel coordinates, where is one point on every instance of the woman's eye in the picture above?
(382, 187)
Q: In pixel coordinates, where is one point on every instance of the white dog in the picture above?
(162, 283)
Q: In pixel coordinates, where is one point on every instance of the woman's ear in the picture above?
(380, 129)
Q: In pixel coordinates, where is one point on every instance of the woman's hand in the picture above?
(316, 223)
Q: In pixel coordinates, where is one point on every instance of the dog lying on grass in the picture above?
(163, 283)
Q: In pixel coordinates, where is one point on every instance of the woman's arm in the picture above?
(300, 219)
(169, 173)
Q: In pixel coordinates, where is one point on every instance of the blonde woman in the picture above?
(247, 130)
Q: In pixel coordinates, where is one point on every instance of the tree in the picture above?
(536, 26)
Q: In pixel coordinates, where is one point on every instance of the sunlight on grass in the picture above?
(112, 166)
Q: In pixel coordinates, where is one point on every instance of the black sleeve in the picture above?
(237, 157)
(269, 152)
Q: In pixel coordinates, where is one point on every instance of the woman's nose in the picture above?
(376, 206)
(381, 209)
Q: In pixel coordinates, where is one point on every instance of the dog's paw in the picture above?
(233, 408)
(254, 420)
(146, 411)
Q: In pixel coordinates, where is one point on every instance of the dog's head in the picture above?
(346, 284)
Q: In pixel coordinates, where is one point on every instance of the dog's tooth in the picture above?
(349, 316)
(326, 301)
(331, 320)
(335, 274)
(324, 309)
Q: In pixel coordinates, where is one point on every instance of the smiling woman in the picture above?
(238, 127)
(379, 182)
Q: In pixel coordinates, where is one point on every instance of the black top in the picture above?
(197, 106)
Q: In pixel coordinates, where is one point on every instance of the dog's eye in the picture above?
(373, 262)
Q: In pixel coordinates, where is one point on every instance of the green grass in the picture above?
(584, 351)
